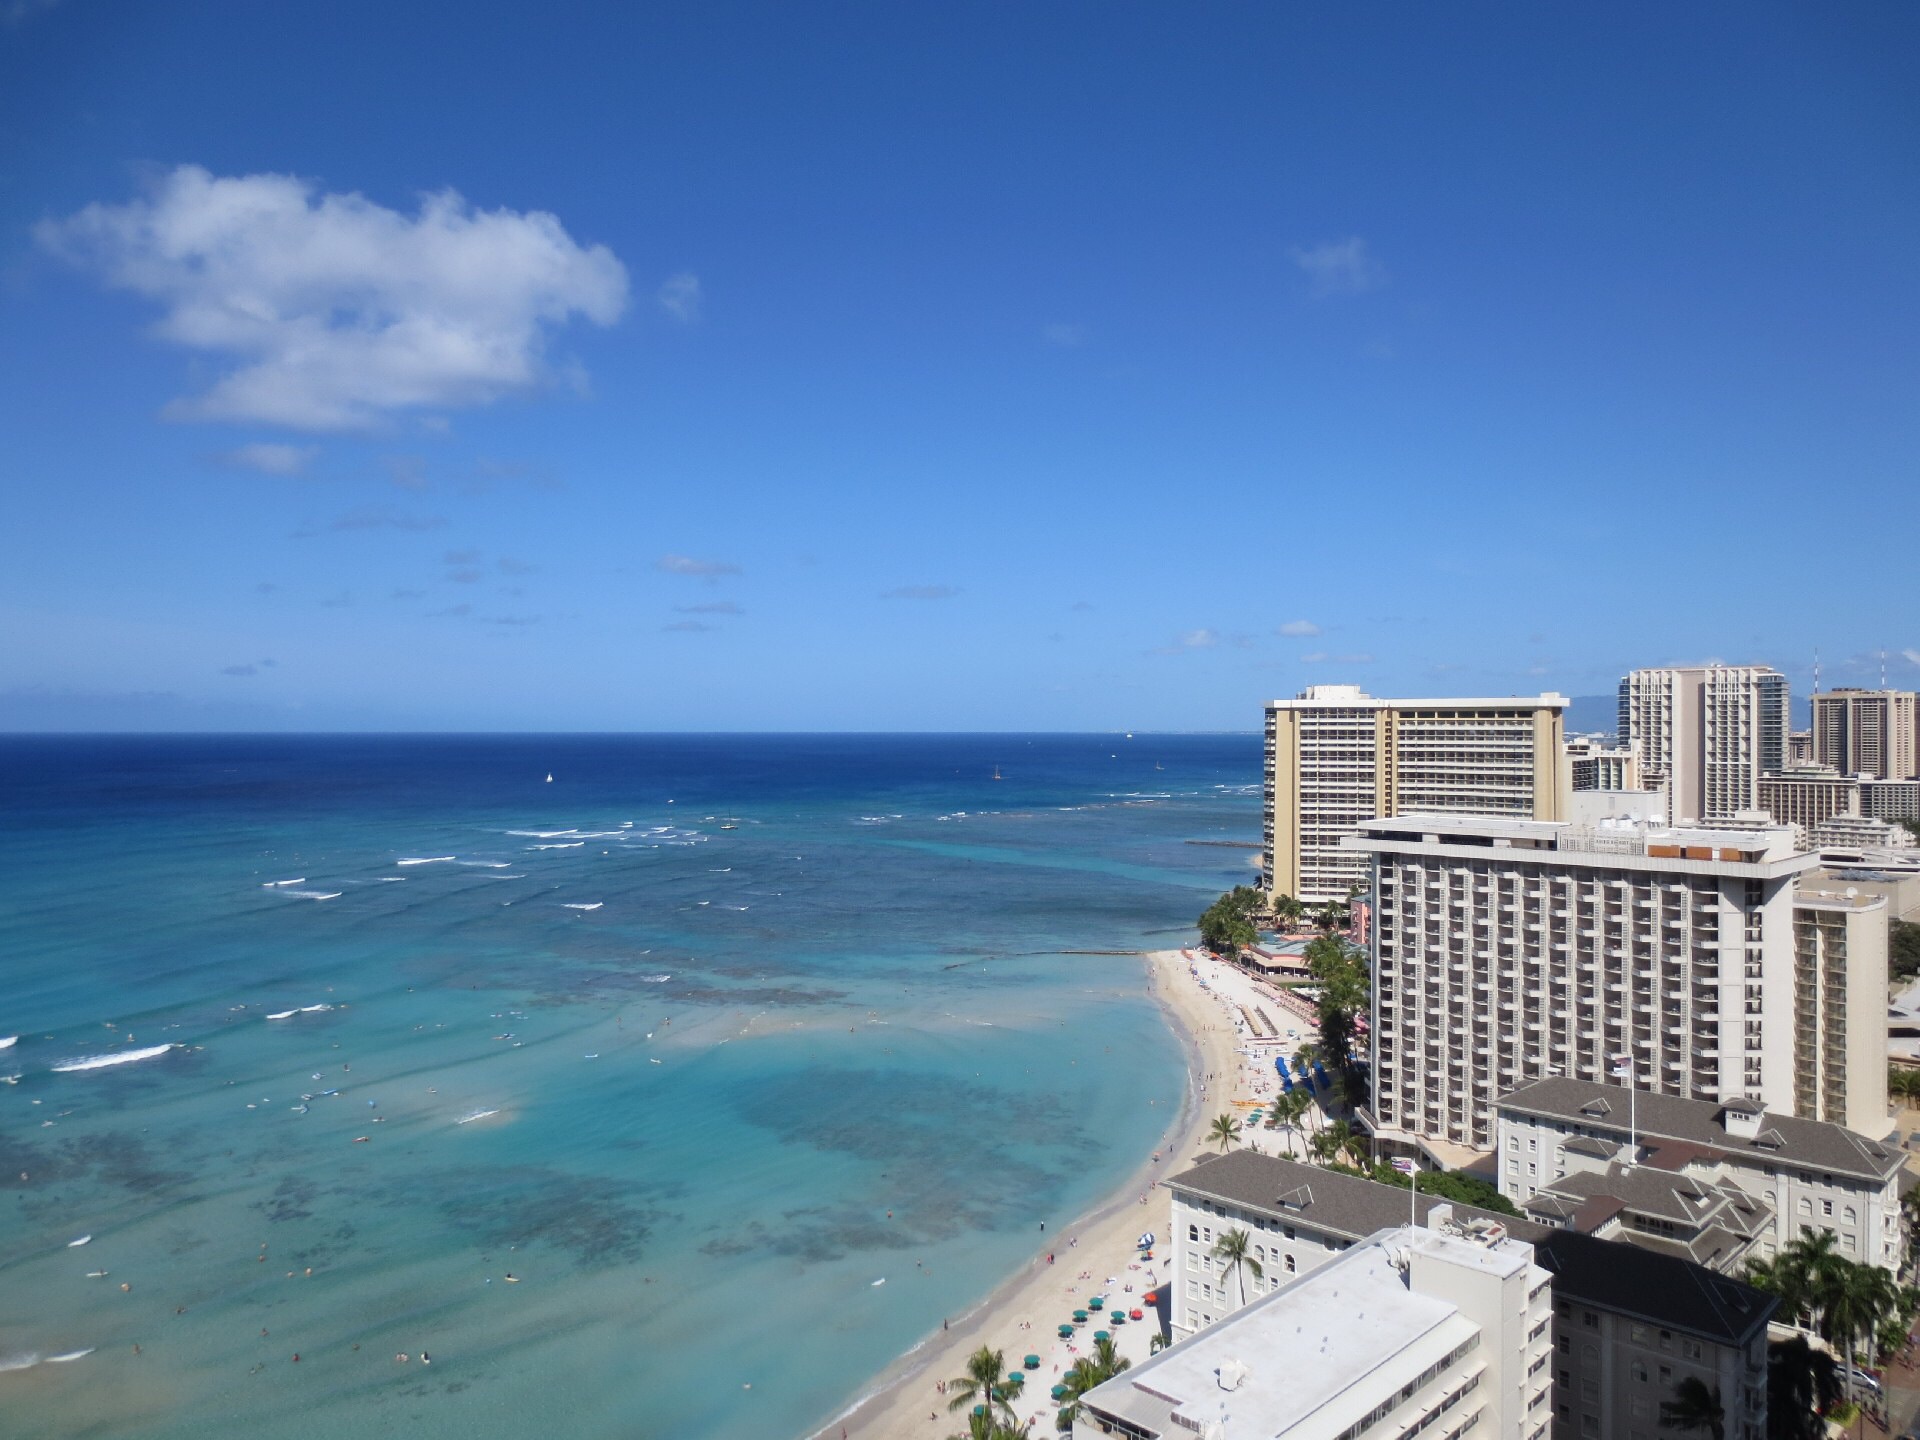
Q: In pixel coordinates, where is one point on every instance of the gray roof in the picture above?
(1663, 1194)
(1783, 1139)
(1664, 1289)
(1346, 1205)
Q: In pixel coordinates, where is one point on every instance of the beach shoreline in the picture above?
(902, 1402)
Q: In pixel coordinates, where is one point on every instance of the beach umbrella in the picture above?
(1079, 1317)
(1066, 1332)
(1152, 1297)
(1102, 1335)
(1033, 1362)
(1096, 1302)
(1059, 1392)
(1136, 1314)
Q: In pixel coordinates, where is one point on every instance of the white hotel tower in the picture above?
(1506, 950)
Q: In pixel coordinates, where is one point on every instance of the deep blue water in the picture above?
(819, 1030)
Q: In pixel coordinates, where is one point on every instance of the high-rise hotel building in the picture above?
(1708, 732)
(1508, 949)
(1867, 733)
(1336, 756)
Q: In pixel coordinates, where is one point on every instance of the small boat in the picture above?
(996, 772)
(96, 1274)
(549, 777)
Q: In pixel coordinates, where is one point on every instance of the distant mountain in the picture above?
(1589, 713)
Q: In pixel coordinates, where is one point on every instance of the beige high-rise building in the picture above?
(1840, 1008)
(1709, 732)
(1807, 796)
(1592, 764)
(1868, 733)
(1336, 756)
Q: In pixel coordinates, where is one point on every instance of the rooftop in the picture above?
(1346, 1205)
(1301, 1354)
(1623, 837)
(1661, 1289)
(1353, 697)
(1781, 1139)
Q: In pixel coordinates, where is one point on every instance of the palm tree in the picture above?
(1287, 1110)
(1087, 1372)
(1340, 1139)
(984, 1383)
(1853, 1300)
(1695, 1407)
(1234, 1249)
(1800, 1271)
(1225, 1132)
(1802, 1383)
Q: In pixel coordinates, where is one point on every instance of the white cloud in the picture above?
(335, 312)
(272, 459)
(681, 297)
(687, 565)
(1340, 267)
(1298, 628)
(1912, 655)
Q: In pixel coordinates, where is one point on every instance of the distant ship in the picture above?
(549, 777)
(996, 772)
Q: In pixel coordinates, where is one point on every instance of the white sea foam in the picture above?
(70, 1356)
(656, 979)
(24, 1361)
(476, 1115)
(544, 834)
(275, 884)
(314, 894)
(486, 864)
(569, 845)
(575, 905)
(7, 1041)
(102, 1062)
(427, 860)
(283, 1014)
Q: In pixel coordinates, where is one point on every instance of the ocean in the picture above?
(617, 1094)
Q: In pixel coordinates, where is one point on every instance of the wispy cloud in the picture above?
(510, 566)
(1081, 605)
(1065, 335)
(1321, 656)
(1297, 627)
(921, 592)
(1188, 641)
(688, 627)
(372, 517)
(452, 612)
(338, 601)
(462, 557)
(715, 607)
(249, 668)
(332, 312)
(407, 472)
(1912, 656)
(1340, 267)
(681, 297)
(703, 569)
(268, 458)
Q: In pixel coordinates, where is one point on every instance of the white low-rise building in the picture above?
(1807, 1174)
(1434, 1331)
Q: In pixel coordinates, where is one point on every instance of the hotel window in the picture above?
(1692, 1349)
(1848, 1215)
(1826, 1207)
(1193, 1289)
(1289, 1264)
(1193, 1232)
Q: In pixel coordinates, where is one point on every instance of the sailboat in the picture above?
(996, 772)
(549, 777)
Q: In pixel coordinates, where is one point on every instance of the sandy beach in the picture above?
(1093, 1255)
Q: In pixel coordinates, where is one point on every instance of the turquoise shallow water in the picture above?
(825, 981)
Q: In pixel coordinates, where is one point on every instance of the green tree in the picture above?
(1853, 1301)
(985, 1383)
(1903, 1082)
(1087, 1372)
(1227, 925)
(1338, 1140)
(1287, 911)
(1287, 1110)
(1234, 1249)
(1341, 996)
(1903, 947)
(1225, 1132)
(1802, 1384)
(1695, 1407)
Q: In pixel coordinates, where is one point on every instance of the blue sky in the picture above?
(956, 367)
